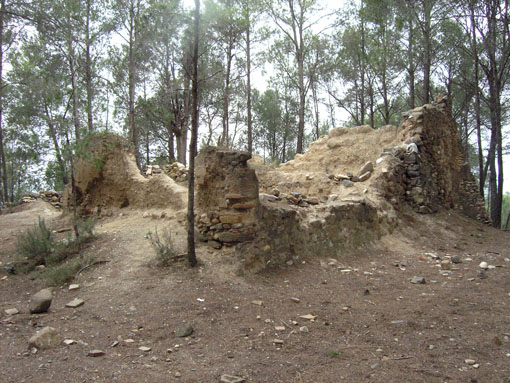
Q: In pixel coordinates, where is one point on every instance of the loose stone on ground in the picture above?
(46, 338)
(76, 302)
(183, 331)
(41, 301)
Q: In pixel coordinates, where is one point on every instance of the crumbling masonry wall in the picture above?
(430, 170)
(317, 205)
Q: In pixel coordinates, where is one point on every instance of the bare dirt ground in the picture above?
(371, 323)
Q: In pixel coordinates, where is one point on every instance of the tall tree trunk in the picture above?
(248, 84)
(477, 100)
(410, 67)
(362, 67)
(74, 84)
(3, 170)
(88, 70)
(315, 99)
(170, 144)
(225, 140)
(133, 132)
(427, 54)
(58, 154)
(182, 135)
(302, 101)
(192, 258)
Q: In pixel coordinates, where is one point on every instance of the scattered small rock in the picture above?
(48, 337)
(446, 265)
(279, 328)
(482, 274)
(309, 317)
(144, 348)
(40, 302)
(347, 183)
(96, 353)
(456, 259)
(183, 331)
(231, 379)
(257, 303)
(295, 300)
(304, 329)
(12, 311)
(470, 362)
(76, 302)
(484, 265)
(418, 280)
(69, 342)
(278, 341)
(74, 287)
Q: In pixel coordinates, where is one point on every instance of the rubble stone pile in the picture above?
(177, 171)
(50, 196)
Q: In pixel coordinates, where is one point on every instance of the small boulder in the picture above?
(48, 337)
(95, 353)
(41, 301)
(368, 167)
(418, 280)
(364, 176)
(183, 331)
(76, 302)
(231, 379)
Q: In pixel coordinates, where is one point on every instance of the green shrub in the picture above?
(164, 248)
(37, 246)
(86, 227)
(57, 275)
(36, 243)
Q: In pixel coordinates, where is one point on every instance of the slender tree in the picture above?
(192, 258)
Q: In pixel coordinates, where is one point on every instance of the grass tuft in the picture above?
(164, 247)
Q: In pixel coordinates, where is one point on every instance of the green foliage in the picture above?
(57, 275)
(36, 243)
(164, 247)
(332, 354)
(86, 228)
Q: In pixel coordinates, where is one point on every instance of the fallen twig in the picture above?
(403, 357)
(89, 265)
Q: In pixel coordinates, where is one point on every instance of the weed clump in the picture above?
(36, 243)
(59, 274)
(164, 247)
(38, 246)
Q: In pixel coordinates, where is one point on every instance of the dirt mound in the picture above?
(420, 163)
(106, 176)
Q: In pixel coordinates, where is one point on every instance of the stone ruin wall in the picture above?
(426, 171)
(227, 198)
(430, 170)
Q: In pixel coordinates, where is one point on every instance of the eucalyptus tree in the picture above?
(296, 20)
(128, 61)
(492, 22)
(427, 17)
(13, 15)
(269, 123)
(40, 98)
(171, 66)
(226, 24)
(192, 258)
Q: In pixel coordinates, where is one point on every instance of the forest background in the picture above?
(274, 76)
